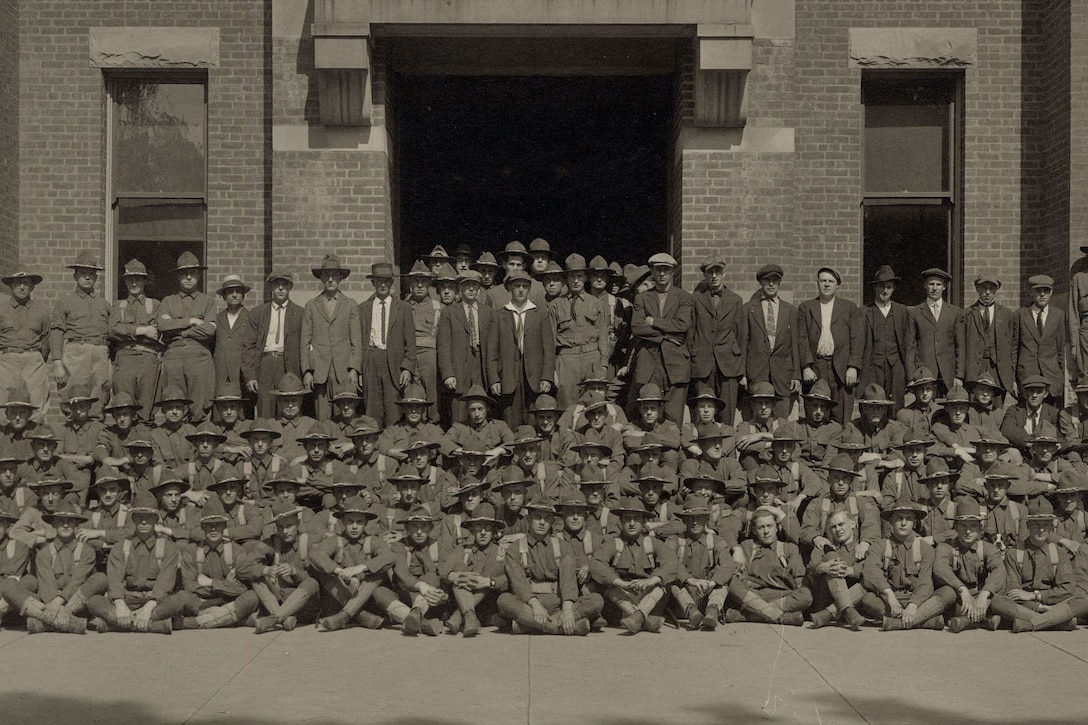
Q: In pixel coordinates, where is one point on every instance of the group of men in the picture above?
(472, 461)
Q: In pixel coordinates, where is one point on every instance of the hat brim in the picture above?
(483, 520)
(180, 483)
(918, 513)
(252, 432)
(20, 404)
(717, 401)
(413, 401)
(246, 289)
(35, 279)
(180, 268)
(81, 399)
(296, 511)
(185, 401)
(821, 398)
(365, 512)
(58, 515)
(288, 393)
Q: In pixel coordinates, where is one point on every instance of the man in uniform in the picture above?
(137, 347)
(141, 573)
(581, 335)
(719, 331)
(387, 340)
(969, 569)
(426, 318)
(330, 343)
(939, 331)
(476, 571)
(769, 585)
(187, 325)
(80, 334)
(835, 570)
(661, 326)
(272, 347)
(543, 583)
(831, 342)
(24, 341)
(704, 566)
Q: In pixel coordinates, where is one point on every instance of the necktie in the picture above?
(279, 324)
(772, 323)
(1031, 425)
(1039, 322)
(519, 330)
(383, 323)
(986, 318)
(474, 326)
(936, 310)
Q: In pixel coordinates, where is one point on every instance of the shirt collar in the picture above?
(528, 306)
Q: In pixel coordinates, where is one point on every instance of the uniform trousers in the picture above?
(572, 366)
(190, 367)
(89, 364)
(136, 372)
(29, 367)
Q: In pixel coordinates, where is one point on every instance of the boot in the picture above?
(181, 623)
(763, 611)
(936, 623)
(431, 627)
(76, 604)
(215, 617)
(958, 624)
(33, 608)
(732, 616)
(454, 623)
(251, 620)
(528, 623)
(853, 618)
(412, 623)
(499, 622)
(293, 603)
(993, 622)
(710, 619)
(1021, 625)
(653, 624)
(69, 624)
(695, 617)
(582, 627)
(892, 624)
(160, 626)
(368, 620)
(1069, 625)
(471, 626)
(633, 622)
(1054, 618)
(793, 619)
(289, 623)
(262, 625)
(823, 617)
(333, 623)
(34, 625)
(930, 615)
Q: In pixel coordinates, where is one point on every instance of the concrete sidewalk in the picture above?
(739, 674)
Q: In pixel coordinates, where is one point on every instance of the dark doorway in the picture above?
(580, 161)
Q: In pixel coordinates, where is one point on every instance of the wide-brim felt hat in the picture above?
(121, 400)
(470, 483)
(921, 376)
(64, 510)
(937, 470)
(227, 475)
(284, 513)
(477, 392)
(228, 392)
(420, 513)
(540, 245)
(318, 432)
(524, 435)
(705, 392)
(1070, 481)
(821, 391)
(356, 505)
(381, 270)
(694, 505)
(414, 394)
(485, 260)
(989, 382)
(173, 394)
(1040, 509)
(206, 430)
(167, 481)
(511, 476)
(514, 248)
(915, 441)
(918, 510)
(214, 513)
(79, 393)
(438, 252)
(46, 482)
(630, 505)
(968, 509)
(109, 474)
(884, 274)
(86, 260)
(364, 425)
(704, 478)
(145, 503)
(545, 403)
(289, 384)
(516, 277)
(842, 463)
(874, 394)
(347, 395)
(653, 442)
(330, 262)
(763, 390)
(33, 279)
(417, 442)
(188, 260)
(484, 514)
(765, 474)
(990, 438)
(263, 425)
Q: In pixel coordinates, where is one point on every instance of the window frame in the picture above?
(112, 263)
(953, 82)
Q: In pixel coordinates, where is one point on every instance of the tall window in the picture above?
(158, 172)
(912, 176)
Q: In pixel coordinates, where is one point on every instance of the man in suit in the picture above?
(938, 332)
(271, 349)
(330, 346)
(831, 342)
(462, 341)
(889, 339)
(661, 326)
(771, 344)
(231, 330)
(991, 336)
(520, 362)
(1032, 416)
(719, 330)
(388, 335)
(1043, 338)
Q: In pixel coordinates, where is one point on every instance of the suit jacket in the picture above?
(939, 343)
(1016, 418)
(400, 336)
(902, 328)
(779, 365)
(846, 329)
(229, 344)
(717, 336)
(330, 344)
(1043, 355)
(253, 347)
(1006, 328)
(455, 345)
(666, 340)
(505, 362)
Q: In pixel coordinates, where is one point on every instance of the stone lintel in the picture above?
(154, 47)
(913, 47)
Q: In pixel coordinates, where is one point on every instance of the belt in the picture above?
(19, 349)
(588, 347)
(825, 357)
(134, 347)
(544, 587)
(86, 340)
(273, 353)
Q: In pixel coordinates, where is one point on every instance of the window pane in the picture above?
(160, 258)
(148, 220)
(159, 138)
(906, 148)
(910, 238)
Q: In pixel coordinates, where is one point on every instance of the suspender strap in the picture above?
(780, 552)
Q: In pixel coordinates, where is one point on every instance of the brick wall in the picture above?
(1078, 135)
(9, 134)
(829, 128)
(62, 150)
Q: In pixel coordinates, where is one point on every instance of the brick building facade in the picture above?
(762, 156)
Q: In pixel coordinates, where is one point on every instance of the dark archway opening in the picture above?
(578, 160)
